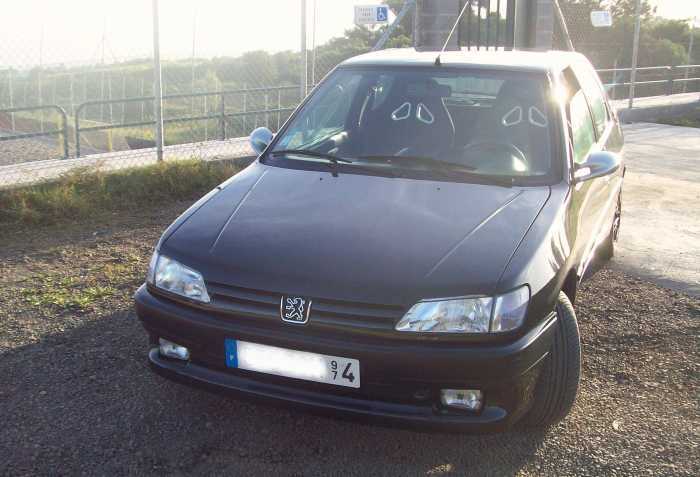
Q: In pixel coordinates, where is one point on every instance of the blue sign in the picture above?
(382, 14)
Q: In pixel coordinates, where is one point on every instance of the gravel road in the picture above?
(77, 397)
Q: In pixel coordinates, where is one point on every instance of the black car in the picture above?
(407, 247)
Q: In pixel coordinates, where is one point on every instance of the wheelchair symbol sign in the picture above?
(382, 14)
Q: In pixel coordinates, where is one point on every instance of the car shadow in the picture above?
(85, 401)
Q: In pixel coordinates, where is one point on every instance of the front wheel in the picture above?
(557, 386)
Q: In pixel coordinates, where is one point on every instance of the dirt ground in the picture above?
(77, 397)
(660, 234)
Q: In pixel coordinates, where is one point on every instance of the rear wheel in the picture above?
(557, 386)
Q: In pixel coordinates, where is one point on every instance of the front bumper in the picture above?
(400, 381)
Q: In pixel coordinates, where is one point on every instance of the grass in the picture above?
(692, 120)
(87, 192)
(65, 293)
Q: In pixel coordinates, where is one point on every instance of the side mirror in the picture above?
(259, 139)
(598, 164)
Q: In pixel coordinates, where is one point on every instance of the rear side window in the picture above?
(593, 90)
(582, 131)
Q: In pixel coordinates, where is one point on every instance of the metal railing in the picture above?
(63, 131)
(222, 116)
(669, 74)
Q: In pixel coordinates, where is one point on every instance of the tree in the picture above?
(627, 9)
(662, 41)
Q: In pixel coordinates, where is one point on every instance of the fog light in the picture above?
(173, 350)
(469, 399)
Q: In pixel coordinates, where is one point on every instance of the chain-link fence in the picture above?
(77, 84)
(667, 60)
(226, 68)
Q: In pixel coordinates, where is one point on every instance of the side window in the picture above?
(582, 131)
(327, 114)
(593, 90)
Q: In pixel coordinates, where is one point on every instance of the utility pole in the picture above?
(102, 74)
(194, 43)
(157, 86)
(304, 53)
(40, 88)
(635, 51)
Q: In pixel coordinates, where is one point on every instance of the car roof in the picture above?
(522, 60)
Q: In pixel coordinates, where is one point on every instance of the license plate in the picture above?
(290, 363)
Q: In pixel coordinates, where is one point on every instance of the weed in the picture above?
(86, 192)
(64, 293)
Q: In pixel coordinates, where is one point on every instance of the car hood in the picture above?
(354, 237)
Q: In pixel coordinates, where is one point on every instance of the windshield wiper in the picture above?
(315, 154)
(430, 161)
(444, 167)
(334, 160)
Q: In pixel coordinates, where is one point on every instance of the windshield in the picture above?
(480, 122)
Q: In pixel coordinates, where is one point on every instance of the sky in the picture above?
(678, 8)
(73, 29)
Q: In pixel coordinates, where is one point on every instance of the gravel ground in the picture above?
(76, 395)
(26, 150)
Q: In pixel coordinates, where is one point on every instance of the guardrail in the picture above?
(668, 72)
(222, 116)
(63, 131)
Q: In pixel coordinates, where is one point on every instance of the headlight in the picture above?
(468, 315)
(172, 276)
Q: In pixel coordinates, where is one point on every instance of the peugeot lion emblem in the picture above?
(295, 309)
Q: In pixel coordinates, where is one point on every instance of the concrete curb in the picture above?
(658, 107)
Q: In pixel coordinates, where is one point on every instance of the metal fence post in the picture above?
(157, 86)
(669, 84)
(12, 99)
(222, 118)
(279, 107)
(304, 56)
(267, 112)
(245, 108)
(64, 120)
(77, 129)
(206, 122)
(635, 51)
(690, 53)
(71, 92)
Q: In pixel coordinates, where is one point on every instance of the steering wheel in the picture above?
(495, 156)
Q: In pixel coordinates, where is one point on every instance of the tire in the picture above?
(607, 249)
(557, 385)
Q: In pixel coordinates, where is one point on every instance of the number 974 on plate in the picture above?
(291, 363)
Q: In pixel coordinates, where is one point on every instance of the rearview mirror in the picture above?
(597, 164)
(259, 139)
